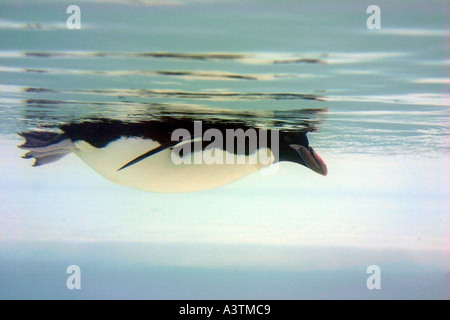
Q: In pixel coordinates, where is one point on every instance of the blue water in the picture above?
(377, 99)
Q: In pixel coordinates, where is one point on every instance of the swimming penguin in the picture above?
(174, 154)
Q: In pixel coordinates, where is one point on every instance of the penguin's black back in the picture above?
(100, 133)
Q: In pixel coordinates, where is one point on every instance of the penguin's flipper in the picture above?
(149, 153)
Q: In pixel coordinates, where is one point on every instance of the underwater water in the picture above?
(376, 101)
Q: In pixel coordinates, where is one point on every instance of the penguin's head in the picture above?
(294, 147)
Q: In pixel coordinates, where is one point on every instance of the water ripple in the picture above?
(185, 74)
(217, 96)
(244, 58)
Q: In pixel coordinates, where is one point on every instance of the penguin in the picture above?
(151, 156)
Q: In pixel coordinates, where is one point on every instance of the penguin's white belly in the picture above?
(158, 173)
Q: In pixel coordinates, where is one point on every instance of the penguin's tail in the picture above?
(46, 147)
